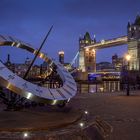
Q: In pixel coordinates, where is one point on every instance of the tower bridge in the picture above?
(108, 43)
(88, 47)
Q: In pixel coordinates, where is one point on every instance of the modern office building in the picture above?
(61, 57)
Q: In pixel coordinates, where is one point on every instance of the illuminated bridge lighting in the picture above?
(109, 43)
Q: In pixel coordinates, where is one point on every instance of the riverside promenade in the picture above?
(120, 111)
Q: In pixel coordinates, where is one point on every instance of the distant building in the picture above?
(10, 65)
(28, 61)
(87, 57)
(21, 68)
(61, 57)
(117, 62)
(133, 31)
(44, 69)
(35, 71)
(104, 66)
(61, 60)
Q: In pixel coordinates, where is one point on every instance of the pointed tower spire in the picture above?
(137, 20)
(128, 25)
(80, 37)
(8, 58)
(8, 63)
(94, 39)
(87, 38)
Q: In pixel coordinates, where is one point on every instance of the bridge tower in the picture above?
(87, 57)
(133, 30)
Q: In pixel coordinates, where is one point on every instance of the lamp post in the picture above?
(127, 57)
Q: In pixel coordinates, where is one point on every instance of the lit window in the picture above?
(87, 49)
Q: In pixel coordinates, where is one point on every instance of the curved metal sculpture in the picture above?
(31, 91)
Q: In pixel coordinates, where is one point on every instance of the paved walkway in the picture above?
(40, 118)
(119, 110)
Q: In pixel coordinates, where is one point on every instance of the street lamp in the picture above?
(81, 124)
(86, 115)
(25, 134)
(127, 57)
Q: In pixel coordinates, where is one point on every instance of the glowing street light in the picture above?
(127, 57)
(81, 124)
(93, 50)
(86, 112)
(87, 49)
(25, 135)
(86, 115)
(102, 41)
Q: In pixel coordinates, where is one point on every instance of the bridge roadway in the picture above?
(109, 43)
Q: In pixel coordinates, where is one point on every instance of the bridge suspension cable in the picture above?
(75, 58)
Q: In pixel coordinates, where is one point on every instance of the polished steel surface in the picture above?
(31, 91)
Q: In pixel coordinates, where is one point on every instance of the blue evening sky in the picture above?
(30, 20)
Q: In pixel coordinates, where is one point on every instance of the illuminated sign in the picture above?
(103, 76)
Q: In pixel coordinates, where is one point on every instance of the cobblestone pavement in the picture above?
(120, 111)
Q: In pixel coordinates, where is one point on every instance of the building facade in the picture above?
(117, 62)
(133, 30)
(87, 57)
(61, 57)
(21, 68)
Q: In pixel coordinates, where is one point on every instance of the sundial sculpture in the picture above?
(31, 91)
